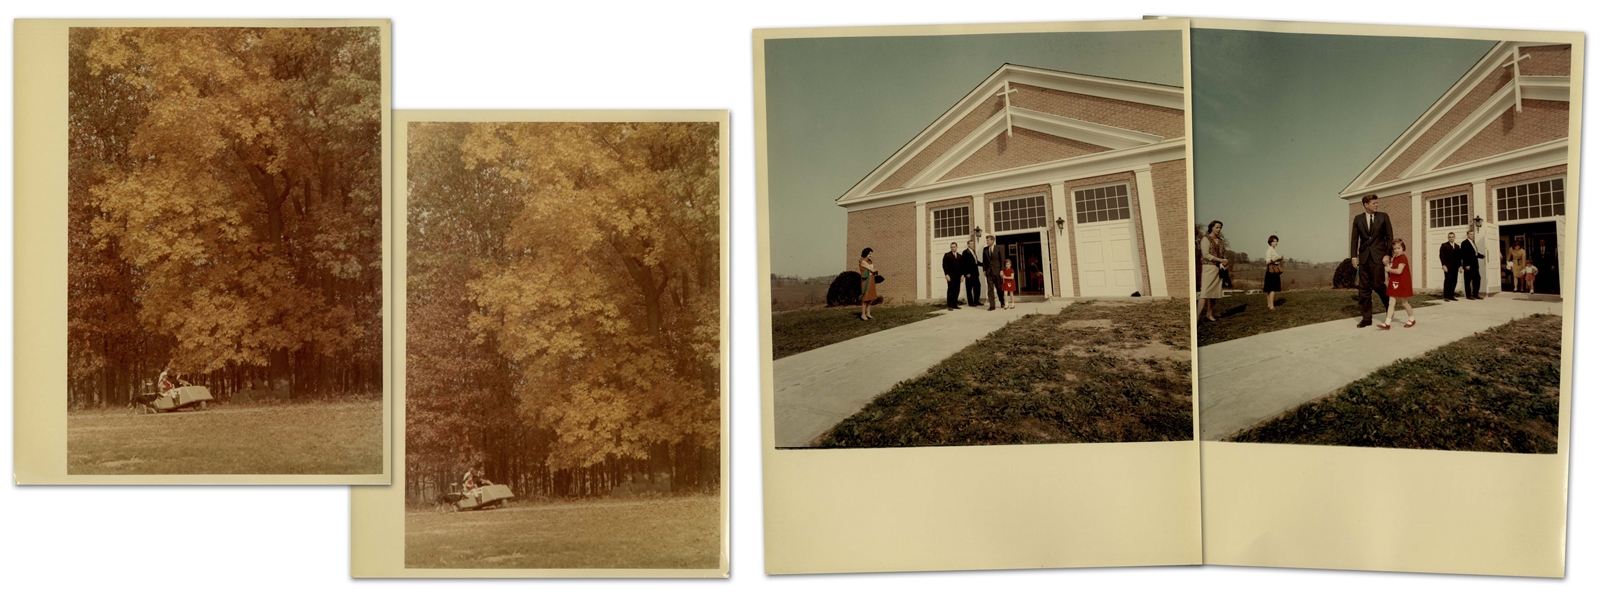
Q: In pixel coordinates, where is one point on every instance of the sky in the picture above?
(1284, 122)
(839, 107)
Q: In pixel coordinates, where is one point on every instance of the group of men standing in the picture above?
(1461, 258)
(963, 267)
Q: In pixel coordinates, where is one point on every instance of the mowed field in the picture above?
(334, 438)
(666, 533)
(792, 296)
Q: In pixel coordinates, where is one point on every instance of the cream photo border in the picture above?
(377, 513)
(1390, 509)
(40, 312)
(972, 507)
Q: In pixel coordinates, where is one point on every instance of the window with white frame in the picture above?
(1094, 205)
(1019, 213)
(1450, 211)
(1532, 200)
(951, 222)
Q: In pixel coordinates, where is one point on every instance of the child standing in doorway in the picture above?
(1008, 284)
(1530, 275)
(1399, 285)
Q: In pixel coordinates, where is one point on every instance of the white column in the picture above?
(1148, 222)
(1062, 241)
(921, 250)
(1416, 241)
(980, 219)
(1480, 206)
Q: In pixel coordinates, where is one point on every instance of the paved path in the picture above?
(1245, 381)
(815, 390)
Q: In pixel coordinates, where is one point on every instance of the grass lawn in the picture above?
(799, 331)
(1496, 391)
(669, 533)
(1247, 314)
(331, 438)
(1095, 372)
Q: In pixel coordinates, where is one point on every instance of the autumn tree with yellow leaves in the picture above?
(224, 209)
(563, 304)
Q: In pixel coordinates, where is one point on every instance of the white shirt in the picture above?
(1272, 254)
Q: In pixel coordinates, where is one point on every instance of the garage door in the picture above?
(1107, 254)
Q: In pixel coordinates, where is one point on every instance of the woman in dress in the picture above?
(1212, 261)
(867, 274)
(1517, 264)
(1270, 282)
(1399, 284)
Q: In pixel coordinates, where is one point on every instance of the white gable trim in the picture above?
(1546, 87)
(1484, 115)
(1111, 138)
(1494, 58)
(1116, 89)
(1077, 167)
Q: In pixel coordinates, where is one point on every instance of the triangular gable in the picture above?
(968, 129)
(1025, 147)
(1475, 105)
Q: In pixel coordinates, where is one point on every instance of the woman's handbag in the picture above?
(1275, 268)
(879, 278)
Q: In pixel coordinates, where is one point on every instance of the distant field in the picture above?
(1247, 277)
(793, 296)
(668, 533)
(306, 439)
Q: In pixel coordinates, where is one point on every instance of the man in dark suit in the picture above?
(1469, 259)
(952, 272)
(1450, 268)
(1371, 244)
(967, 266)
(992, 261)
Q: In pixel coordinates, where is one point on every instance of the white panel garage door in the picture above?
(1107, 258)
(939, 282)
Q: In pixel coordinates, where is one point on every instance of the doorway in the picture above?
(1026, 254)
(1542, 244)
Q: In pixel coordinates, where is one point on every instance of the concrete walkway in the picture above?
(1246, 381)
(815, 390)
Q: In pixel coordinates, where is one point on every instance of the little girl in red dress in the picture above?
(1007, 279)
(1399, 284)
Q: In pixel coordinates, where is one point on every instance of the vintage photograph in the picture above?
(564, 365)
(978, 239)
(1382, 246)
(224, 250)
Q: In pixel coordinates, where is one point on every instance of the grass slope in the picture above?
(674, 533)
(1496, 391)
(337, 438)
(1095, 372)
(799, 331)
(1247, 314)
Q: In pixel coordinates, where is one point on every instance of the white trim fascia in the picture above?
(1484, 115)
(1152, 230)
(1088, 165)
(1110, 138)
(1492, 60)
(1116, 89)
(1546, 154)
(1546, 87)
(978, 138)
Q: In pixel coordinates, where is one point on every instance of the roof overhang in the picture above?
(1103, 87)
(1530, 158)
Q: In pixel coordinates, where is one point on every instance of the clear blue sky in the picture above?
(1283, 122)
(838, 107)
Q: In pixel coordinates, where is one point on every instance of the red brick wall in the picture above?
(1539, 121)
(1133, 204)
(1026, 147)
(890, 232)
(1155, 120)
(1546, 60)
(1444, 124)
(948, 139)
(1052, 270)
(976, 221)
(1173, 221)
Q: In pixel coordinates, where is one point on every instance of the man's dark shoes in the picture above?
(1362, 324)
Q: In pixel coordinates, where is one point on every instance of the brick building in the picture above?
(1495, 146)
(1081, 178)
